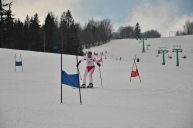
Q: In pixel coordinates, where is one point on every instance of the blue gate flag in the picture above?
(55, 48)
(18, 63)
(70, 79)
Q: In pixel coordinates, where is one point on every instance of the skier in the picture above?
(89, 69)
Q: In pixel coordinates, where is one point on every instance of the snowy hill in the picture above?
(163, 99)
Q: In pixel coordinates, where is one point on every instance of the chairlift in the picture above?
(147, 47)
(149, 44)
(170, 55)
(157, 54)
(184, 56)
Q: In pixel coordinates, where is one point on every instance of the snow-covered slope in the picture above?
(164, 99)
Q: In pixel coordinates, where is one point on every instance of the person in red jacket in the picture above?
(90, 60)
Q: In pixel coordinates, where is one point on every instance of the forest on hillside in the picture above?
(64, 32)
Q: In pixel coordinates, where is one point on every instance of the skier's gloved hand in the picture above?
(99, 64)
(78, 63)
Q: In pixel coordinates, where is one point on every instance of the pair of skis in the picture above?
(87, 88)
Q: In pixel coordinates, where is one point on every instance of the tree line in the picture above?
(95, 33)
(134, 32)
(69, 36)
(188, 29)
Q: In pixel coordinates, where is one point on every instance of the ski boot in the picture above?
(83, 86)
(90, 85)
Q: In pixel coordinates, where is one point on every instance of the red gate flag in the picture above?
(135, 73)
(100, 60)
(95, 54)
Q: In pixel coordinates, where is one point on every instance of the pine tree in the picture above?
(49, 33)
(72, 45)
(137, 31)
(35, 33)
(5, 21)
(69, 21)
(27, 34)
(27, 22)
(63, 29)
(8, 32)
(18, 35)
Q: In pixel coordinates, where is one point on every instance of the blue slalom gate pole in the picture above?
(61, 76)
(15, 62)
(79, 80)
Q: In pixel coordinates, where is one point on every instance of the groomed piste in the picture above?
(163, 99)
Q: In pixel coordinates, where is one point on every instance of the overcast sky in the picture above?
(163, 15)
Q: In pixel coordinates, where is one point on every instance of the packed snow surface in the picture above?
(164, 98)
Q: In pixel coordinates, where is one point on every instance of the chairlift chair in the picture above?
(184, 56)
(157, 54)
(147, 47)
(170, 56)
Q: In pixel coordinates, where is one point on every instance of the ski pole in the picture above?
(100, 77)
(79, 81)
(80, 76)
